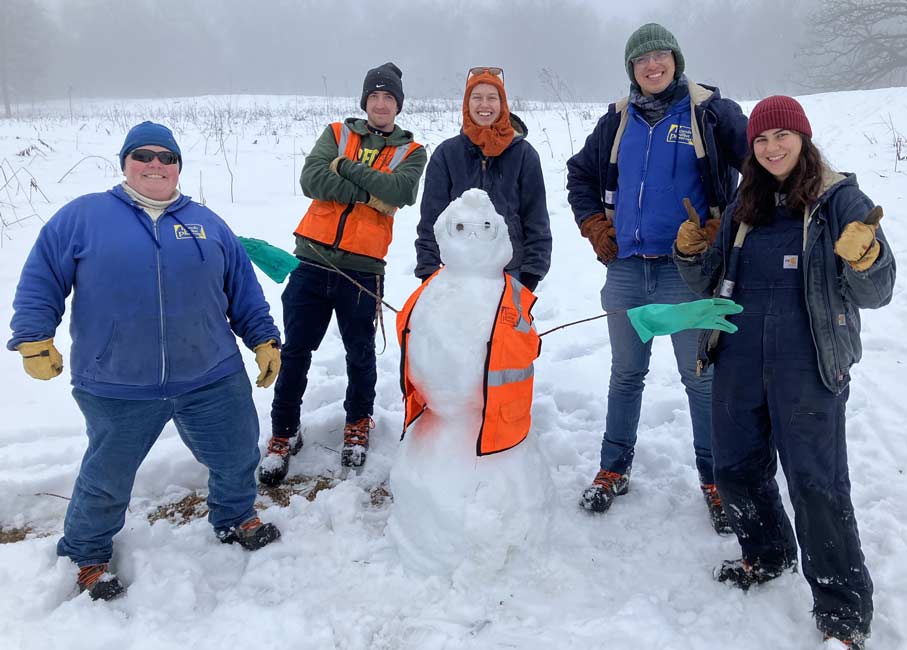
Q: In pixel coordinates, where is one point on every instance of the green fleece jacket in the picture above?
(355, 181)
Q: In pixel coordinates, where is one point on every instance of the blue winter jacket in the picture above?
(834, 291)
(513, 181)
(153, 302)
(654, 172)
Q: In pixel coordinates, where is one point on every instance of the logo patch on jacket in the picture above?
(791, 261)
(509, 316)
(681, 134)
(191, 229)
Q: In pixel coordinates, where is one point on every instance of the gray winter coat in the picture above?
(834, 291)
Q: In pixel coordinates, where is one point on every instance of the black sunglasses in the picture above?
(147, 155)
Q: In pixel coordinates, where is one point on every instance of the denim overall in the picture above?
(769, 402)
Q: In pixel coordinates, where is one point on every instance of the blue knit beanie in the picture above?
(149, 133)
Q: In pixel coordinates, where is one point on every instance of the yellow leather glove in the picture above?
(335, 164)
(267, 356)
(41, 359)
(858, 245)
(693, 239)
(381, 206)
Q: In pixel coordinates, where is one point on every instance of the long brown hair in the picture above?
(756, 196)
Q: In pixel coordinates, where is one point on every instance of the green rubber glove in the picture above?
(707, 314)
(274, 262)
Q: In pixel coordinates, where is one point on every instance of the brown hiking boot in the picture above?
(250, 534)
(276, 463)
(716, 511)
(355, 442)
(607, 485)
(99, 582)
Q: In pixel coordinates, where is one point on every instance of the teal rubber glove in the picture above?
(274, 262)
(707, 314)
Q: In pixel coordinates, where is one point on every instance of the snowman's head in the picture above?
(472, 237)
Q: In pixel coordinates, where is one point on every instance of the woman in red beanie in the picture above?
(802, 251)
(491, 153)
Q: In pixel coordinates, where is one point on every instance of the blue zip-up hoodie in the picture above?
(153, 302)
(834, 292)
(657, 167)
(515, 185)
(591, 177)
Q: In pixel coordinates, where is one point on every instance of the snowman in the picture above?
(470, 486)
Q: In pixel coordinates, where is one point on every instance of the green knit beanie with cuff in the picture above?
(652, 37)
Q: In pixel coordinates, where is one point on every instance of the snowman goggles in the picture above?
(484, 230)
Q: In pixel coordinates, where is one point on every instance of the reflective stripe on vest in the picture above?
(354, 227)
(509, 370)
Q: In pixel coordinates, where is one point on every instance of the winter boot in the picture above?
(276, 463)
(607, 485)
(251, 534)
(716, 510)
(99, 582)
(355, 442)
(744, 575)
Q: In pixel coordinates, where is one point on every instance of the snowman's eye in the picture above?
(487, 225)
(460, 227)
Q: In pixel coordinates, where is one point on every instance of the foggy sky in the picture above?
(163, 48)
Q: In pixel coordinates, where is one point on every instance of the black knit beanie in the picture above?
(385, 77)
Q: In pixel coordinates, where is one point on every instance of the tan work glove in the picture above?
(858, 245)
(41, 359)
(267, 356)
(599, 230)
(381, 206)
(335, 164)
(693, 239)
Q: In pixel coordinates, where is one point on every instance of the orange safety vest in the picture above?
(507, 387)
(355, 227)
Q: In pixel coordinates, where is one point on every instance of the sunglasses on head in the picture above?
(147, 155)
(496, 72)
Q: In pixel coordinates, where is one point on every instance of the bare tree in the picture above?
(859, 44)
(23, 30)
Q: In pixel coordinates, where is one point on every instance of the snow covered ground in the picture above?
(638, 577)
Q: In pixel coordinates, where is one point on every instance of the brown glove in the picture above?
(267, 356)
(599, 230)
(335, 164)
(693, 239)
(858, 245)
(381, 206)
(711, 227)
(41, 359)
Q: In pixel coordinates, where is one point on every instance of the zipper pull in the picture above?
(699, 367)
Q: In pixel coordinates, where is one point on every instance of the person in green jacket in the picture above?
(358, 174)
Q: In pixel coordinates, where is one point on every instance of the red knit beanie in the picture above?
(777, 112)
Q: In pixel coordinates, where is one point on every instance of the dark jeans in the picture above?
(312, 295)
(217, 422)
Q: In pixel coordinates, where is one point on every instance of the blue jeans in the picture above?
(217, 422)
(312, 295)
(632, 282)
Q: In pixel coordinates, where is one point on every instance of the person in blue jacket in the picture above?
(491, 153)
(670, 140)
(801, 250)
(161, 286)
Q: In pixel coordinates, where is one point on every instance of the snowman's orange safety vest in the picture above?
(354, 227)
(507, 387)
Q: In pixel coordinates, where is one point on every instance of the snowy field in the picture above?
(639, 577)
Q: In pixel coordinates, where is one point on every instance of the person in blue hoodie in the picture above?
(802, 251)
(670, 140)
(492, 154)
(160, 288)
